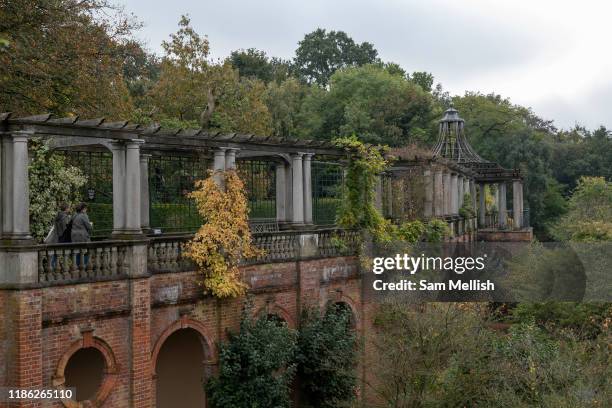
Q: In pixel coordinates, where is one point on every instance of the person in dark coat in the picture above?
(62, 219)
(81, 226)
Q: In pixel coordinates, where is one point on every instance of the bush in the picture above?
(411, 231)
(327, 358)
(255, 365)
(436, 230)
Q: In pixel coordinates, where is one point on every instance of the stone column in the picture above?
(482, 207)
(503, 209)
(298, 189)
(288, 192)
(118, 150)
(429, 193)
(132, 187)
(438, 193)
(460, 192)
(230, 159)
(447, 193)
(144, 192)
(378, 197)
(454, 195)
(15, 187)
(281, 193)
(517, 203)
(466, 188)
(219, 166)
(472, 189)
(307, 184)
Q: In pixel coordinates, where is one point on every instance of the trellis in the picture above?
(327, 179)
(97, 193)
(259, 177)
(171, 179)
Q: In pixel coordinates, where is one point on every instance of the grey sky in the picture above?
(550, 55)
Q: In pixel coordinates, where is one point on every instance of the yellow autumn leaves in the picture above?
(225, 238)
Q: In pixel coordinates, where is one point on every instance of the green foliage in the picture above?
(451, 358)
(52, 182)
(358, 210)
(255, 365)
(436, 230)
(378, 106)
(254, 63)
(589, 212)
(467, 209)
(411, 231)
(321, 53)
(327, 358)
(586, 320)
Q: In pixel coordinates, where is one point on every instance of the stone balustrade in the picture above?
(83, 261)
(75, 262)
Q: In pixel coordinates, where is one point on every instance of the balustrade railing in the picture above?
(165, 254)
(108, 259)
(78, 261)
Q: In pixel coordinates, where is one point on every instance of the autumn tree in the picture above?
(254, 63)
(63, 57)
(195, 90)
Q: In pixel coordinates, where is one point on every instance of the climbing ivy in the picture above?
(225, 238)
(358, 210)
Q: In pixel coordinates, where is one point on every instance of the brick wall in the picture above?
(131, 318)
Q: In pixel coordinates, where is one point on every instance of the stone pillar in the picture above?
(118, 150)
(219, 165)
(503, 209)
(473, 194)
(144, 192)
(298, 188)
(460, 192)
(466, 189)
(447, 194)
(15, 187)
(482, 207)
(230, 159)
(281, 193)
(307, 184)
(429, 193)
(438, 193)
(288, 192)
(132, 187)
(454, 195)
(378, 197)
(517, 203)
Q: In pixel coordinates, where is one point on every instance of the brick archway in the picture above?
(274, 309)
(184, 323)
(339, 297)
(110, 372)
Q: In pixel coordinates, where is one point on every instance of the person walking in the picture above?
(81, 226)
(81, 230)
(62, 223)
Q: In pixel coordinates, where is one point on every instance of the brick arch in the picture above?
(273, 308)
(339, 297)
(184, 323)
(110, 373)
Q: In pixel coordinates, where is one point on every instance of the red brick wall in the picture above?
(42, 327)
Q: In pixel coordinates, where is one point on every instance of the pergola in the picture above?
(453, 145)
(142, 159)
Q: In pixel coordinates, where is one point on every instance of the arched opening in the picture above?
(85, 372)
(343, 308)
(180, 371)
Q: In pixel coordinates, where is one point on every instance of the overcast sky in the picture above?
(554, 56)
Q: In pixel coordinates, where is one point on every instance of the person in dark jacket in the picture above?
(62, 220)
(81, 230)
(81, 226)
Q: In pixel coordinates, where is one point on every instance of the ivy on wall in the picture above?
(358, 209)
(225, 238)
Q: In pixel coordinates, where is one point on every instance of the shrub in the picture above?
(436, 230)
(327, 358)
(411, 231)
(255, 365)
